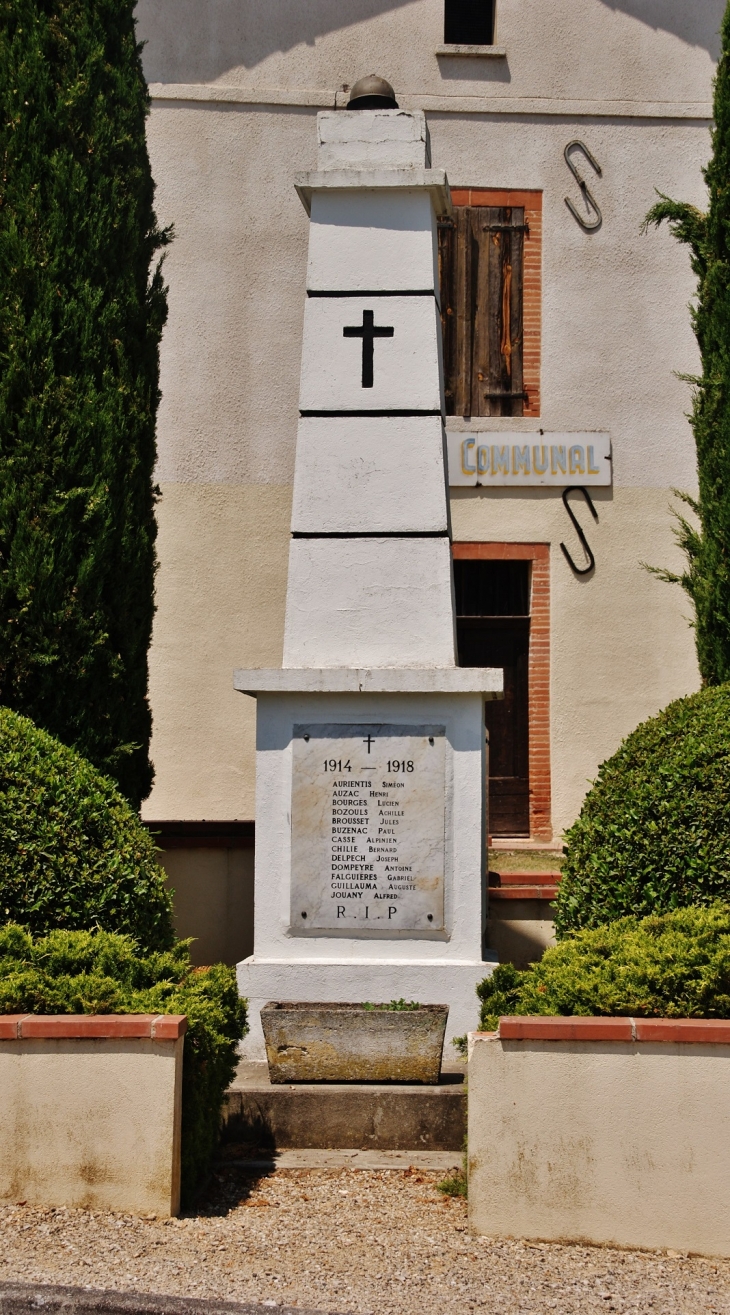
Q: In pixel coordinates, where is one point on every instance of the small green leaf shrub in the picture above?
(672, 965)
(76, 972)
(395, 1006)
(654, 831)
(73, 854)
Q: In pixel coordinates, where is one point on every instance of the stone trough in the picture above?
(353, 1043)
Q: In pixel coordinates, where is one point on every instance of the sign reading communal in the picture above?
(500, 459)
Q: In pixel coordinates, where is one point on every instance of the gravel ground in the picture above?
(347, 1241)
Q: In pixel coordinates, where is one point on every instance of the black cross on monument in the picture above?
(369, 741)
(369, 331)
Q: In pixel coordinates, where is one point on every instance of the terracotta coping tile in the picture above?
(686, 1031)
(168, 1027)
(159, 1027)
(9, 1026)
(522, 892)
(566, 1029)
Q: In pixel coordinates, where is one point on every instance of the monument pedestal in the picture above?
(384, 851)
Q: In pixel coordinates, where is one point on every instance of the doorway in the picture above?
(493, 630)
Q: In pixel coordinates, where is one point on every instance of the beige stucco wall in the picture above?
(519, 930)
(602, 1142)
(221, 587)
(93, 1124)
(213, 899)
(236, 89)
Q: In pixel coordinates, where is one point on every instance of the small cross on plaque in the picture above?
(368, 331)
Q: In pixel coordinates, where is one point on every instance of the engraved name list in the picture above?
(368, 806)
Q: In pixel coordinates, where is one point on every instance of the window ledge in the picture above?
(479, 52)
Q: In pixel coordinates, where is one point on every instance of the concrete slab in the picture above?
(437, 1161)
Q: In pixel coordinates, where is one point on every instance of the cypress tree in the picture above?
(82, 305)
(707, 574)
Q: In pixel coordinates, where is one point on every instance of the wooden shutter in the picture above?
(481, 265)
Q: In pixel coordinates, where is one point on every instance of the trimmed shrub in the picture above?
(100, 973)
(654, 831)
(81, 315)
(675, 965)
(73, 854)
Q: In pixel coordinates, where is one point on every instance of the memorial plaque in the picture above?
(368, 809)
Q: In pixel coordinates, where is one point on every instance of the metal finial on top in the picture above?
(372, 93)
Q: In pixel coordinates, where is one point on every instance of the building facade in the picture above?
(565, 330)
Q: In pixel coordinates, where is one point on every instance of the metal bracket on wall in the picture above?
(588, 225)
(579, 570)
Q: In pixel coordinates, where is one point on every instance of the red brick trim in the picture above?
(532, 277)
(539, 669)
(153, 1027)
(678, 1031)
(523, 885)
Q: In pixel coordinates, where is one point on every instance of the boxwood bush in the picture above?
(76, 972)
(654, 831)
(670, 965)
(73, 854)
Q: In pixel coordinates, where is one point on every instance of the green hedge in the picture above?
(101, 973)
(672, 965)
(654, 831)
(81, 315)
(73, 854)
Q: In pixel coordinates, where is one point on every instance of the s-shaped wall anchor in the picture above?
(579, 570)
(588, 225)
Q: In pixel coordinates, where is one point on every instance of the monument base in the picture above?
(433, 981)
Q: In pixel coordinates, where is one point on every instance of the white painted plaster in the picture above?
(376, 139)
(360, 474)
(406, 366)
(432, 981)
(487, 681)
(381, 602)
(395, 237)
(433, 181)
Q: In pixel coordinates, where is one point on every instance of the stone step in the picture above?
(343, 1116)
(269, 1162)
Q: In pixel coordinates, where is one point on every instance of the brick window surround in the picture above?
(532, 277)
(538, 668)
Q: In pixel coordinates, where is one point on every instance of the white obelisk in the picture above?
(371, 765)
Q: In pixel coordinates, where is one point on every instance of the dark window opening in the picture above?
(469, 22)
(481, 266)
(502, 589)
(493, 630)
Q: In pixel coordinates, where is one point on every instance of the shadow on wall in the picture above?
(695, 21)
(189, 41)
